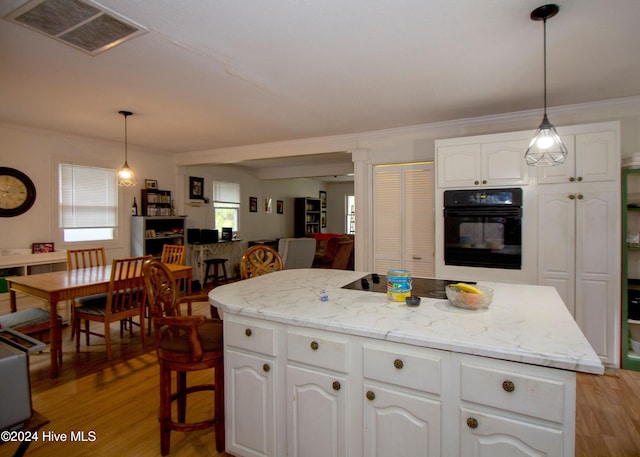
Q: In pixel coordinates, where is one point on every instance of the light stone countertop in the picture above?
(524, 323)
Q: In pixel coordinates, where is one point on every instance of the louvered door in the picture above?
(403, 219)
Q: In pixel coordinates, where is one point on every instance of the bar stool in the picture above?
(216, 276)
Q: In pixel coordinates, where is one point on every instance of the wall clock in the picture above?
(17, 192)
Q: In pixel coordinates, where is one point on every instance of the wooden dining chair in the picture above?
(85, 258)
(258, 260)
(124, 300)
(183, 344)
(173, 253)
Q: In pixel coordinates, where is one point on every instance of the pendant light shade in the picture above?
(546, 148)
(126, 176)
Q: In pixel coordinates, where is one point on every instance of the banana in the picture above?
(467, 288)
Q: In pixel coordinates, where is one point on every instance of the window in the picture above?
(88, 203)
(351, 215)
(226, 205)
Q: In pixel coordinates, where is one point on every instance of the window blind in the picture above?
(88, 197)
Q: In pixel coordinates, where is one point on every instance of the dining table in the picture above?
(58, 286)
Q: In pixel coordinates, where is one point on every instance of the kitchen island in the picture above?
(358, 375)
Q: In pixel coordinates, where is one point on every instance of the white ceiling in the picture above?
(220, 73)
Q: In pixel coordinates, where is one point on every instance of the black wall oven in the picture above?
(483, 228)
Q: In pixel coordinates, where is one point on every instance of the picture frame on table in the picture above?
(40, 248)
(323, 198)
(280, 206)
(323, 219)
(253, 204)
(150, 184)
(196, 188)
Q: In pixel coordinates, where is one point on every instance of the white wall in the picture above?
(37, 152)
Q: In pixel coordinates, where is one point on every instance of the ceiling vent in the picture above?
(83, 24)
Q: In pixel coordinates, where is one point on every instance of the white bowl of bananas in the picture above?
(469, 296)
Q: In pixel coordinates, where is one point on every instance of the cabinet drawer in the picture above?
(318, 349)
(509, 389)
(258, 338)
(416, 369)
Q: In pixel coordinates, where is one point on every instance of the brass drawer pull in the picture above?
(508, 386)
(472, 422)
(370, 395)
(336, 385)
(248, 332)
(314, 345)
(266, 368)
(398, 364)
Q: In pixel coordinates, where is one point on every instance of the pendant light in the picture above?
(546, 148)
(126, 177)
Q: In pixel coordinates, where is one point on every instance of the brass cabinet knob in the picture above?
(571, 179)
(508, 386)
(572, 197)
(370, 395)
(472, 422)
(476, 182)
(398, 364)
(484, 181)
(336, 385)
(266, 368)
(579, 178)
(248, 332)
(580, 196)
(314, 345)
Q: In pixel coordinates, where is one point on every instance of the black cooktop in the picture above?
(422, 287)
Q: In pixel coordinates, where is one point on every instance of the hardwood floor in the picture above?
(119, 402)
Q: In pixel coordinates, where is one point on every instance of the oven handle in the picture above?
(484, 212)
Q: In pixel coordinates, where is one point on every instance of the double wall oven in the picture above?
(483, 228)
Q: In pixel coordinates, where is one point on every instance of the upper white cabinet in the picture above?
(485, 162)
(592, 158)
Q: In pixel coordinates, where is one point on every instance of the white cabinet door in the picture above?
(578, 255)
(592, 157)
(459, 166)
(596, 154)
(484, 434)
(597, 270)
(249, 405)
(400, 424)
(503, 163)
(556, 245)
(316, 413)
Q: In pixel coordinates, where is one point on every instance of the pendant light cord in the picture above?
(125, 125)
(544, 44)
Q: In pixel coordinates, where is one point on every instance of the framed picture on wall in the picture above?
(323, 219)
(150, 184)
(280, 206)
(196, 188)
(323, 198)
(253, 204)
